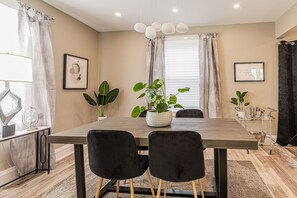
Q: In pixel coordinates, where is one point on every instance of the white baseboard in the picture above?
(11, 173)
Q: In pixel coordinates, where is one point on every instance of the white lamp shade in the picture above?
(140, 27)
(150, 32)
(157, 26)
(172, 28)
(166, 28)
(15, 68)
(182, 28)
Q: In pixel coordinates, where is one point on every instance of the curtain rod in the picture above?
(286, 42)
(48, 17)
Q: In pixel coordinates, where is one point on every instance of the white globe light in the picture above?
(157, 26)
(150, 32)
(182, 28)
(140, 27)
(172, 28)
(166, 28)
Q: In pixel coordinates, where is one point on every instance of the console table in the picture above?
(41, 145)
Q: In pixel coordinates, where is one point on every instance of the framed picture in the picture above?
(249, 72)
(75, 72)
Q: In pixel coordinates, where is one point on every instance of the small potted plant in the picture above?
(102, 98)
(240, 103)
(158, 115)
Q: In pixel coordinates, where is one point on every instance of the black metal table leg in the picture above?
(220, 160)
(80, 170)
(48, 154)
(37, 152)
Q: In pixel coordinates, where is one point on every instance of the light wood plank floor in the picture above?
(278, 171)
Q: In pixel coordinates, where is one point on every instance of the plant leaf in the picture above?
(89, 99)
(104, 88)
(246, 104)
(161, 107)
(172, 99)
(178, 106)
(137, 111)
(112, 95)
(139, 86)
(141, 96)
(183, 90)
(241, 100)
(238, 93)
(100, 100)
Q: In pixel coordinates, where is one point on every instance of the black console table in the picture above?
(41, 145)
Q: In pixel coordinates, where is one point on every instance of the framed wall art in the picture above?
(75, 74)
(249, 72)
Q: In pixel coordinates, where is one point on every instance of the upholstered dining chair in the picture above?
(189, 113)
(176, 156)
(113, 155)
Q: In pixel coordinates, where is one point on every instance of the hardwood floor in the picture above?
(278, 171)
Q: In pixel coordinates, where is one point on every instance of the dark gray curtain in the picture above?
(287, 123)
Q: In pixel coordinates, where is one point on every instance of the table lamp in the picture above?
(13, 68)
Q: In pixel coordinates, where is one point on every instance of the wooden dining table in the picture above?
(217, 133)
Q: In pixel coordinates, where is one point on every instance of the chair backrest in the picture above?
(189, 113)
(113, 154)
(176, 156)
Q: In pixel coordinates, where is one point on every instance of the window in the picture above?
(182, 68)
(10, 44)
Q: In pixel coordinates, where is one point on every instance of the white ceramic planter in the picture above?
(155, 119)
(240, 114)
(101, 118)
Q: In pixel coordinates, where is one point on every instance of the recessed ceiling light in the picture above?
(236, 6)
(175, 10)
(118, 14)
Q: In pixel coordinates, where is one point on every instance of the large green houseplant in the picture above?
(102, 98)
(157, 100)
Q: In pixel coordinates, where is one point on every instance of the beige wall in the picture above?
(122, 63)
(286, 22)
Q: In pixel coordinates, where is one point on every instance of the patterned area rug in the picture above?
(243, 182)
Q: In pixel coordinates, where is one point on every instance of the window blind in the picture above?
(182, 69)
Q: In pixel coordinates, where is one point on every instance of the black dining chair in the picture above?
(176, 156)
(189, 113)
(113, 155)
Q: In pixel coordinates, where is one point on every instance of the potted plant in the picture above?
(102, 98)
(158, 115)
(240, 103)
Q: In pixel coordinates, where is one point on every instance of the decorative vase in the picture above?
(155, 119)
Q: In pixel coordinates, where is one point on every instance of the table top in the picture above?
(24, 132)
(215, 132)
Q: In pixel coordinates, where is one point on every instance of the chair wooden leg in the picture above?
(165, 189)
(99, 187)
(118, 188)
(131, 188)
(201, 188)
(150, 183)
(159, 188)
(194, 189)
(205, 181)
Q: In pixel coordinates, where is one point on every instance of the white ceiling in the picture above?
(100, 14)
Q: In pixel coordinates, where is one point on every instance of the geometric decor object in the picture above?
(16, 106)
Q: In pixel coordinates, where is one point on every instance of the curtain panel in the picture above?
(287, 113)
(35, 42)
(209, 79)
(155, 59)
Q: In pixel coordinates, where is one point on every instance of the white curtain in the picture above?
(155, 59)
(210, 85)
(35, 42)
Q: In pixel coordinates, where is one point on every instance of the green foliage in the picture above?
(239, 101)
(103, 97)
(156, 97)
